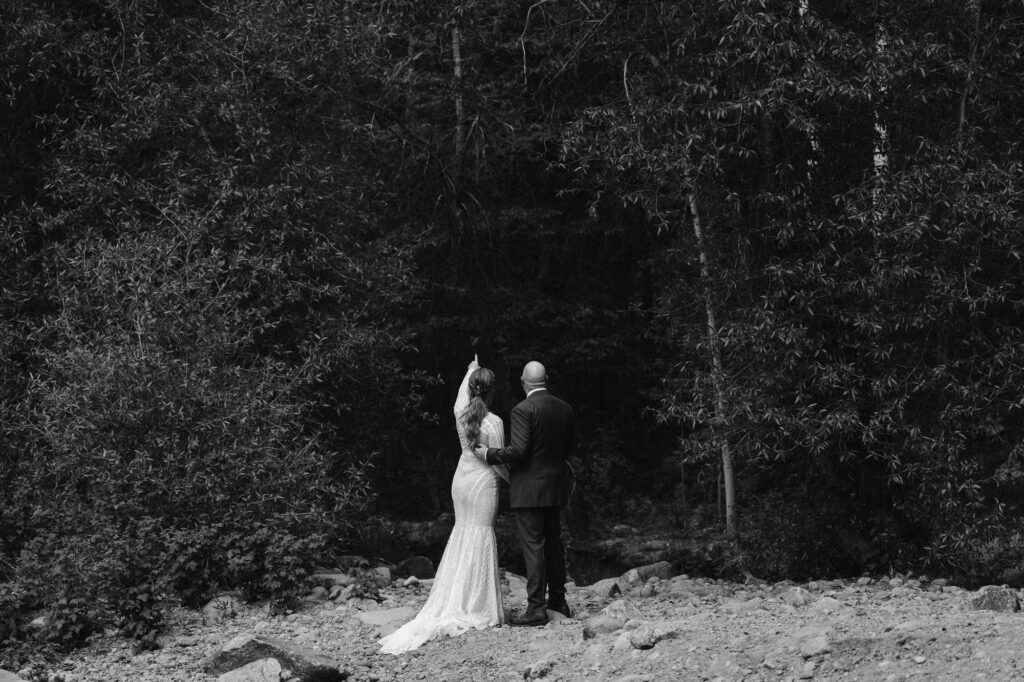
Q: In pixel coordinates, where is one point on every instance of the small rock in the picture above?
(609, 587)
(807, 672)
(540, 668)
(410, 581)
(827, 604)
(995, 598)
(319, 593)
(622, 642)
(644, 637)
(622, 609)
(812, 646)
(864, 581)
(263, 670)
(342, 594)
(597, 625)
(919, 659)
(797, 596)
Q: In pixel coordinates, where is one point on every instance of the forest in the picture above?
(769, 250)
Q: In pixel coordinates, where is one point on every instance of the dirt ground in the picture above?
(670, 629)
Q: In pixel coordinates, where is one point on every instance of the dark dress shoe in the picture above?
(562, 608)
(528, 620)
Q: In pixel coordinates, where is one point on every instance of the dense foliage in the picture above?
(247, 248)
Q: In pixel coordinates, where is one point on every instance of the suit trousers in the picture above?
(540, 534)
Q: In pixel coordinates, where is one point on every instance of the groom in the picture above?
(543, 436)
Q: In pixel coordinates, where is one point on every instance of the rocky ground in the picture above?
(661, 628)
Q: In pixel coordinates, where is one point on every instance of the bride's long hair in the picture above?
(481, 390)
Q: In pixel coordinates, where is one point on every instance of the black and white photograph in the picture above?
(503, 340)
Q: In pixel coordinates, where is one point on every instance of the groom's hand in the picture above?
(481, 452)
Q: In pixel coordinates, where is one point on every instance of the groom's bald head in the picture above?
(534, 376)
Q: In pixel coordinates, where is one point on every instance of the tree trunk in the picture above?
(881, 146)
(812, 138)
(728, 479)
(684, 507)
(460, 112)
(969, 78)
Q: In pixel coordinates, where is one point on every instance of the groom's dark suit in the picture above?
(543, 437)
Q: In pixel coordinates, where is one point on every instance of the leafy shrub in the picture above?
(69, 621)
(259, 560)
(786, 536)
(12, 608)
(140, 614)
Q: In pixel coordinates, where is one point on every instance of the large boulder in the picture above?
(660, 569)
(419, 566)
(330, 580)
(609, 587)
(8, 676)
(263, 670)
(423, 536)
(995, 598)
(302, 661)
(516, 587)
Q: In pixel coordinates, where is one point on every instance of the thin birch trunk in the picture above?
(803, 7)
(881, 146)
(728, 478)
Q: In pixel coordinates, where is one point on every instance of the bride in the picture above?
(466, 593)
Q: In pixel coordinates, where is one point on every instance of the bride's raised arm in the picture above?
(462, 399)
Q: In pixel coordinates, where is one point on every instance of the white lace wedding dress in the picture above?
(466, 593)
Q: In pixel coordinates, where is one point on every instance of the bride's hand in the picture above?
(474, 364)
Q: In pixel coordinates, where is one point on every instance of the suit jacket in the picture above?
(543, 437)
